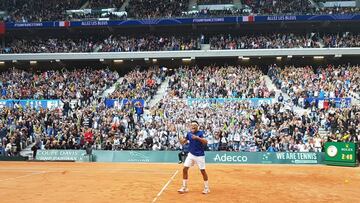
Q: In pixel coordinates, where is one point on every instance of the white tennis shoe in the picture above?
(206, 191)
(183, 190)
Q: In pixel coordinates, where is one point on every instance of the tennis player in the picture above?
(197, 144)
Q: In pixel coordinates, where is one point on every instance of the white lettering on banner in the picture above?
(48, 152)
(94, 23)
(68, 153)
(280, 155)
(207, 20)
(138, 160)
(228, 158)
(296, 156)
(290, 156)
(50, 155)
(280, 18)
(138, 157)
(28, 25)
(58, 158)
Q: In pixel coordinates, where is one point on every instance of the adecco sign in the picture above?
(264, 158)
(230, 158)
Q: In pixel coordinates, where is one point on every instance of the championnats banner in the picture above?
(186, 21)
(253, 102)
(325, 102)
(118, 103)
(34, 104)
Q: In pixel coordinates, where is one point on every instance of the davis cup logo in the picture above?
(332, 151)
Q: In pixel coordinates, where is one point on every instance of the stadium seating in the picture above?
(156, 8)
(109, 44)
(78, 84)
(237, 122)
(53, 10)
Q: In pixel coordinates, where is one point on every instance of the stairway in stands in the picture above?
(110, 90)
(287, 99)
(159, 94)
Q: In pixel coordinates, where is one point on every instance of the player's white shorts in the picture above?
(191, 160)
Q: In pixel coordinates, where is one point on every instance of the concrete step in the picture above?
(205, 46)
(159, 94)
(110, 90)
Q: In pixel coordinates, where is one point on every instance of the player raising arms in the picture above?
(196, 155)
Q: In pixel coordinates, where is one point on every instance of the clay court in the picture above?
(114, 182)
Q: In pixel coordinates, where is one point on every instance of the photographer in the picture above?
(184, 152)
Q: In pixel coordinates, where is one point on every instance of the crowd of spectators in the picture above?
(109, 44)
(301, 83)
(38, 10)
(212, 2)
(82, 84)
(55, 10)
(118, 43)
(285, 40)
(236, 122)
(341, 40)
(237, 126)
(139, 84)
(156, 8)
(264, 41)
(74, 126)
(219, 82)
(103, 4)
(290, 7)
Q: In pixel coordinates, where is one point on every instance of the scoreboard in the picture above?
(341, 154)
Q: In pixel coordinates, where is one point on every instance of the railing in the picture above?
(147, 55)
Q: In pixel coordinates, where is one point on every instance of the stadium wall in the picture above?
(147, 55)
(220, 157)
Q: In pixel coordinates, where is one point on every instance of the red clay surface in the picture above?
(113, 182)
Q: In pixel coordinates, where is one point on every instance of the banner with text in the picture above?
(118, 103)
(253, 102)
(34, 104)
(60, 155)
(220, 157)
(184, 21)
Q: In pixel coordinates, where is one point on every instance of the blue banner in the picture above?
(34, 104)
(117, 103)
(335, 17)
(339, 102)
(186, 21)
(254, 102)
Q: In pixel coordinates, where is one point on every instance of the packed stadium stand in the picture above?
(51, 10)
(119, 75)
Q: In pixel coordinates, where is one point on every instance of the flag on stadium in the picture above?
(64, 23)
(2, 28)
(248, 18)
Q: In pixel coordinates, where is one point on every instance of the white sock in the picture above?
(206, 183)
(185, 183)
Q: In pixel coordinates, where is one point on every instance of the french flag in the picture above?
(2, 28)
(64, 23)
(248, 18)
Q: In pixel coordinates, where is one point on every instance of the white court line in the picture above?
(24, 176)
(130, 170)
(165, 186)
